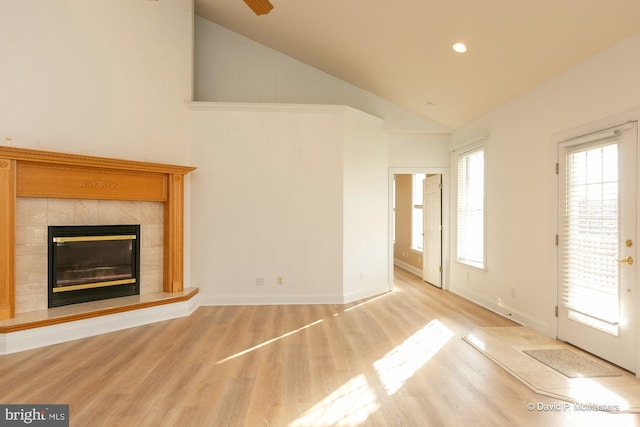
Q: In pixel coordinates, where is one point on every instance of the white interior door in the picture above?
(432, 229)
(597, 243)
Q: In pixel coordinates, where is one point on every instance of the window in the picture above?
(471, 208)
(590, 233)
(417, 218)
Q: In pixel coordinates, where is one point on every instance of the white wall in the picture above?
(520, 180)
(418, 150)
(100, 77)
(269, 202)
(365, 209)
(232, 68)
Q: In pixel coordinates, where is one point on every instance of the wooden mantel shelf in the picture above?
(36, 173)
(51, 157)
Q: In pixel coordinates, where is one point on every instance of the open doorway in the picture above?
(419, 232)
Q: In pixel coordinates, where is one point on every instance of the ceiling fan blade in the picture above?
(260, 7)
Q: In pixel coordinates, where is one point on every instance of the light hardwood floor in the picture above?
(394, 360)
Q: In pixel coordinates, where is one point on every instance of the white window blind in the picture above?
(589, 231)
(471, 208)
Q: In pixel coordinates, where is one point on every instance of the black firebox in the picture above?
(93, 262)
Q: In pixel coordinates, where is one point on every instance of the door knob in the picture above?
(627, 260)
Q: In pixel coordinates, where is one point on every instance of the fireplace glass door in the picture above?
(88, 263)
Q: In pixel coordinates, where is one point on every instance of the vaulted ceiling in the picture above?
(401, 50)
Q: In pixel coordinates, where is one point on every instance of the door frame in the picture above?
(557, 138)
(445, 218)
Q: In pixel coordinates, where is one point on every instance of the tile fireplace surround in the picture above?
(41, 188)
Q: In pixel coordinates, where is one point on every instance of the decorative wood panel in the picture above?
(34, 173)
(174, 226)
(7, 237)
(75, 182)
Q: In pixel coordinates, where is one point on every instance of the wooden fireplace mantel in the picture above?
(35, 173)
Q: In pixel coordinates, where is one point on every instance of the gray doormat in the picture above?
(571, 364)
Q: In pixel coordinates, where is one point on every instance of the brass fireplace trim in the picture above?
(93, 285)
(36, 173)
(93, 238)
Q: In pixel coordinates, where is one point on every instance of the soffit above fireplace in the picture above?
(35, 173)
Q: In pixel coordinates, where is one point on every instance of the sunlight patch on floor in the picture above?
(256, 347)
(584, 390)
(399, 365)
(366, 302)
(476, 342)
(350, 405)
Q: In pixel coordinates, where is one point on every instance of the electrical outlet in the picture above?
(279, 280)
(259, 281)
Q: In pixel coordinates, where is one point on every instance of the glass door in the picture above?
(597, 241)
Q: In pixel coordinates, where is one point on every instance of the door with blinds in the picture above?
(597, 243)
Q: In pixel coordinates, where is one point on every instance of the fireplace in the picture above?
(93, 262)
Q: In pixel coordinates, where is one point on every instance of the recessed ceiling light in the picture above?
(460, 47)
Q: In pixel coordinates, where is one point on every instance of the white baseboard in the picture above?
(365, 293)
(410, 268)
(270, 300)
(14, 342)
(292, 299)
(505, 311)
